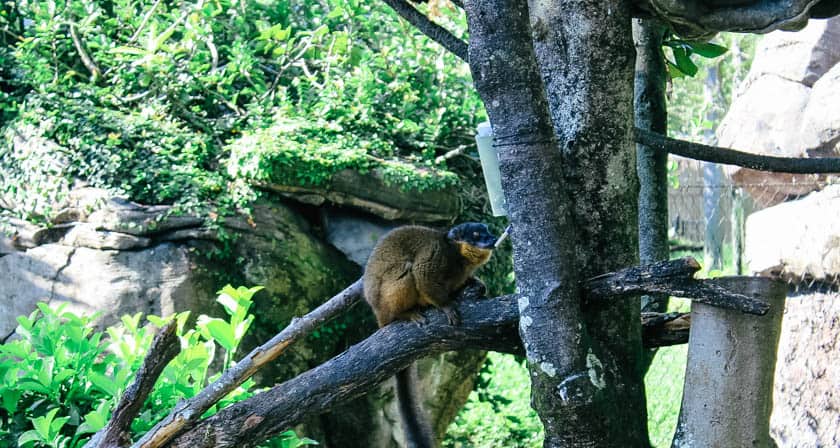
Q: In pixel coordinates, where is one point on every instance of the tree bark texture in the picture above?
(651, 165)
(585, 53)
(728, 390)
(570, 384)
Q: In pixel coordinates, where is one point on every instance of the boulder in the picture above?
(372, 193)
(803, 56)
(820, 126)
(806, 396)
(777, 112)
(797, 240)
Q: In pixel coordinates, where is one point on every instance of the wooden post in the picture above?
(728, 392)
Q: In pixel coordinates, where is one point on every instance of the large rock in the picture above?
(777, 112)
(802, 57)
(798, 240)
(820, 127)
(806, 396)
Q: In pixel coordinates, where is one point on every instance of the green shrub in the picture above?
(60, 381)
(171, 89)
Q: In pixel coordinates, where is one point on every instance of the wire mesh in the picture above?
(707, 215)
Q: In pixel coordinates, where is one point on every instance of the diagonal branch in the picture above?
(163, 349)
(435, 32)
(490, 324)
(189, 411)
(87, 61)
(727, 156)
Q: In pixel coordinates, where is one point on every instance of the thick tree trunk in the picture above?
(572, 200)
(590, 96)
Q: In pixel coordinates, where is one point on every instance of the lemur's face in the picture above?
(472, 233)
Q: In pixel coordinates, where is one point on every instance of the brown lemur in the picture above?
(414, 267)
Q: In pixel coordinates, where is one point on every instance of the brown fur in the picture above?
(414, 267)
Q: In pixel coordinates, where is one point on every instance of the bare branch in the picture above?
(665, 329)
(87, 61)
(164, 348)
(189, 411)
(490, 324)
(435, 32)
(674, 278)
(727, 156)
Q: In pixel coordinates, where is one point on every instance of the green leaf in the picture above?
(29, 436)
(707, 49)
(42, 424)
(684, 62)
(221, 331)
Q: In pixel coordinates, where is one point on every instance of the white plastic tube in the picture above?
(490, 167)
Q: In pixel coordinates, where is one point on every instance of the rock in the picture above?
(820, 128)
(140, 220)
(18, 234)
(778, 113)
(86, 235)
(806, 396)
(369, 192)
(354, 234)
(797, 240)
(760, 120)
(159, 280)
(51, 234)
(802, 57)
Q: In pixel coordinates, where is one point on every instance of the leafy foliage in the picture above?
(151, 98)
(60, 381)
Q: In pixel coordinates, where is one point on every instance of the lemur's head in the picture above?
(473, 233)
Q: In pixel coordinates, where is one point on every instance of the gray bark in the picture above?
(504, 67)
(651, 165)
(728, 391)
(590, 95)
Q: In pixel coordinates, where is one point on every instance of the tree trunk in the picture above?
(572, 200)
(651, 165)
(728, 392)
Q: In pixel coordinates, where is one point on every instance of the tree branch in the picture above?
(727, 156)
(87, 61)
(163, 349)
(189, 411)
(435, 32)
(674, 278)
(489, 324)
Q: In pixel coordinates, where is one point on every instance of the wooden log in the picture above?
(728, 390)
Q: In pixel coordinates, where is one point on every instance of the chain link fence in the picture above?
(709, 207)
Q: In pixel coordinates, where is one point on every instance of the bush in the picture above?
(149, 98)
(60, 381)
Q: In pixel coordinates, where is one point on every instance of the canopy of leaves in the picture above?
(150, 98)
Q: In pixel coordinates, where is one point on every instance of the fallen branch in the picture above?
(189, 411)
(675, 278)
(117, 433)
(434, 31)
(727, 156)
